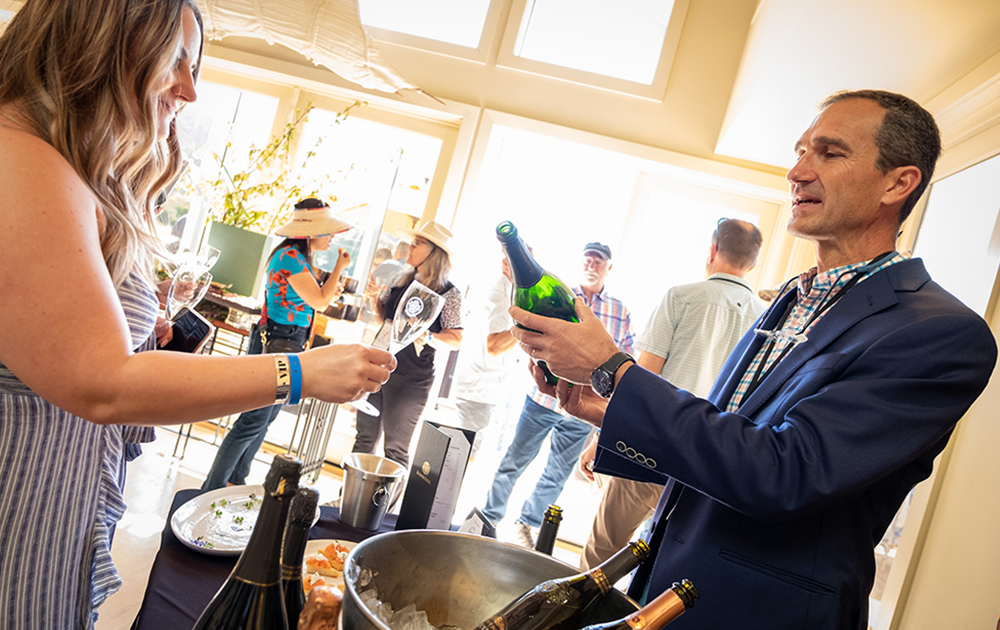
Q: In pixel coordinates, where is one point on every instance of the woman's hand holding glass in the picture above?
(187, 288)
(340, 373)
(416, 311)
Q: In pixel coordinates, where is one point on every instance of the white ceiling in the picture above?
(799, 51)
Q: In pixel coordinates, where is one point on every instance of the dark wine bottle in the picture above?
(546, 540)
(669, 605)
(251, 597)
(535, 290)
(300, 519)
(565, 603)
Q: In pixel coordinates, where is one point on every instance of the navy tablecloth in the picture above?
(182, 581)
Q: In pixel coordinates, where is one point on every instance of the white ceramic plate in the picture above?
(313, 547)
(219, 522)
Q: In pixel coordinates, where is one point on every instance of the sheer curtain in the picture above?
(327, 32)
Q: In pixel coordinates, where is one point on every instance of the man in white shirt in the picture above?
(688, 338)
(483, 362)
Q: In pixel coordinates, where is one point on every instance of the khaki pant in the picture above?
(624, 506)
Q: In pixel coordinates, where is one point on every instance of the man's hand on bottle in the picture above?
(577, 400)
(571, 349)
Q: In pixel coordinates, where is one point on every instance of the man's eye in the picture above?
(831, 155)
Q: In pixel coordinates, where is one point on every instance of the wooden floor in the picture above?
(154, 478)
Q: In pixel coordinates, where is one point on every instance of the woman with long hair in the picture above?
(88, 94)
(403, 397)
(292, 296)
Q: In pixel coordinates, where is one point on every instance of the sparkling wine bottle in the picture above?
(565, 603)
(251, 597)
(546, 540)
(300, 520)
(669, 605)
(535, 290)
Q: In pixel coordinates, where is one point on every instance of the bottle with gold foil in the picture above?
(669, 605)
(565, 603)
(251, 597)
(546, 540)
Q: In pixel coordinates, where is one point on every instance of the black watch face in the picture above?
(601, 382)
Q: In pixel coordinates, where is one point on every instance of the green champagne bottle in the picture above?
(565, 603)
(668, 605)
(535, 290)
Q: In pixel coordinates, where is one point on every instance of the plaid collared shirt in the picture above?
(814, 290)
(616, 319)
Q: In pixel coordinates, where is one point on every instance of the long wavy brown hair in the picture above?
(85, 76)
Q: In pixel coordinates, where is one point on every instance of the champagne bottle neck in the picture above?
(294, 549)
(260, 562)
(659, 612)
(525, 270)
(615, 568)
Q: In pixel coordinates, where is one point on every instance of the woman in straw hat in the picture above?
(292, 296)
(89, 91)
(403, 397)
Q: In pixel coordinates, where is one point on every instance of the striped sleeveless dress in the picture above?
(62, 496)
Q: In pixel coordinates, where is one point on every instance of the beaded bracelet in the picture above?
(296, 393)
(283, 376)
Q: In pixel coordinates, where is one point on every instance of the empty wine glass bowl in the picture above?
(457, 579)
(208, 256)
(187, 288)
(417, 309)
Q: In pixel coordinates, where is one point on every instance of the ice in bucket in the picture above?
(370, 484)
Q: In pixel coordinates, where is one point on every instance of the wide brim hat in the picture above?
(311, 222)
(433, 232)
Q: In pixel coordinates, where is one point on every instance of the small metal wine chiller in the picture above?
(457, 579)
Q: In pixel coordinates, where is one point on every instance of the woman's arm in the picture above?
(316, 296)
(64, 334)
(447, 339)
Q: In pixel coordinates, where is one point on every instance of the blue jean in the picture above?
(236, 453)
(569, 435)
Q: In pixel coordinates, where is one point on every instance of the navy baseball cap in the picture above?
(600, 249)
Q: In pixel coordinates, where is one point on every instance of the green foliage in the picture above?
(261, 197)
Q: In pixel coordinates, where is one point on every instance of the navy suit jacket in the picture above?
(775, 510)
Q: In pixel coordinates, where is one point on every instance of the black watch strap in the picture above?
(602, 379)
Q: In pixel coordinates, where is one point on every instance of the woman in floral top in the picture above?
(292, 296)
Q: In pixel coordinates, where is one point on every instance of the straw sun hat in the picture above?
(310, 222)
(433, 232)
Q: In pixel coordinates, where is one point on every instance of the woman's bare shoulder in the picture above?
(35, 172)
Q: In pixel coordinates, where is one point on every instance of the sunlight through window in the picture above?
(453, 21)
(616, 39)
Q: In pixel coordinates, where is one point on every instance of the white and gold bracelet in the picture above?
(283, 374)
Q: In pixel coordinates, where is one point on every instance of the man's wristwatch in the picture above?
(602, 379)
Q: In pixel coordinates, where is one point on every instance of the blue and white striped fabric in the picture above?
(62, 497)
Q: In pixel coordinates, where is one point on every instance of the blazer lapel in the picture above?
(744, 352)
(874, 294)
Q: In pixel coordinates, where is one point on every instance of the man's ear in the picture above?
(901, 181)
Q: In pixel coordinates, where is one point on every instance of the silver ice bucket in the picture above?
(457, 579)
(370, 484)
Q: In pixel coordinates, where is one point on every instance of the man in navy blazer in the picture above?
(782, 482)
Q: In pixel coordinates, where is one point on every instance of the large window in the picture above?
(453, 21)
(621, 39)
(373, 165)
(562, 194)
(219, 128)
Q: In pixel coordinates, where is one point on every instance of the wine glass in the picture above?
(415, 312)
(187, 288)
(208, 256)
